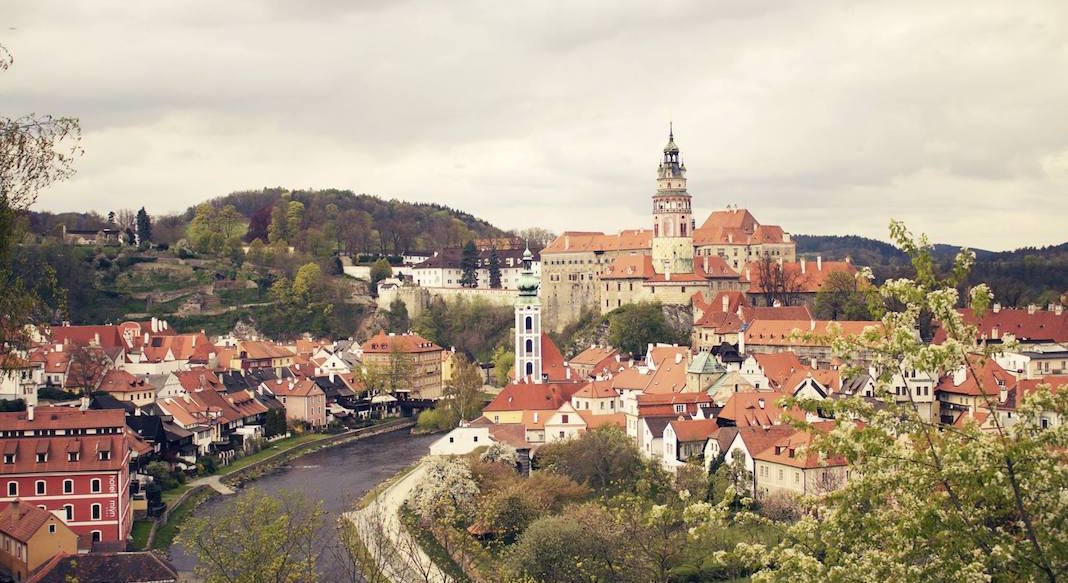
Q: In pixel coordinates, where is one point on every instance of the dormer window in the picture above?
(105, 455)
(72, 456)
(42, 458)
(9, 458)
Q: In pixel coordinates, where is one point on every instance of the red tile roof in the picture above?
(261, 350)
(191, 347)
(199, 378)
(1021, 323)
(788, 450)
(300, 388)
(63, 418)
(641, 267)
(594, 421)
(120, 381)
(757, 438)
(693, 429)
(830, 380)
(808, 282)
(532, 397)
(588, 241)
(56, 449)
(597, 390)
(730, 219)
(778, 366)
(991, 379)
(20, 520)
(409, 343)
(593, 355)
(780, 332)
(756, 408)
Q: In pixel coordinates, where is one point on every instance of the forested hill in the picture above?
(337, 219)
(1027, 275)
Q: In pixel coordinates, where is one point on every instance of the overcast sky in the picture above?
(824, 117)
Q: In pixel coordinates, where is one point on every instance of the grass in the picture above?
(432, 547)
(166, 532)
(140, 531)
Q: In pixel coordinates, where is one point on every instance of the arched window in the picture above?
(530, 368)
(529, 323)
(530, 346)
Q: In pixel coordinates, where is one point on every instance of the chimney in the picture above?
(706, 263)
(1003, 394)
(567, 371)
(29, 412)
(994, 332)
(1031, 309)
(194, 341)
(776, 304)
(154, 325)
(747, 275)
(802, 266)
(331, 376)
(678, 357)
(813, 364)
(567, 242)
(667, 275)
(997, 307)
(84, 404)
(819, 263)
(760, 403)
(535, 413)
(730, 237)
(1058, 309)
(959, 376)
(96, 338)
(811, 325)
(726, 303)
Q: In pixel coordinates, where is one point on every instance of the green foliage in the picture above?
(379, 270)
(308, 285)
(275, 423)
(503, 362)
(469, 265)
(144, 227)
(844, 296)
(258, 537)
(397, 317)
(494, 269)
(631, 328)
(605, 459)
(472, 326)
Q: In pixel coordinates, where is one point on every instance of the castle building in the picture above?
(584, 272)
(528, 345)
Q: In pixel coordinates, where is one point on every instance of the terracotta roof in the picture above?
(597, 390)
(593, 355)
(120, 381)
(56, 449)
(410, 343)
(62, 418)
(57, 361)
(514, 434)
(693, 429)
(128, 567)
(631, 379)
(641, 267)
(780, 332)
(1021, 323)
(1029, 386)
(199, 378)
(305, 346)
(776, 313)
(735, 300)
(191, 347)
(830, 380)
(532, 397)
(787, 450)
(552, 362)
(758, 438)
(778, 366)
(731, 219)
(810, 281)
(588, 241)
(991, 379)
(21, 520)
(594, 421)
(298, 388)
(259, 350)
(756, 408)
(647, 399)
(670, 374)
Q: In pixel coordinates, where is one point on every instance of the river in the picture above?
(337, 475)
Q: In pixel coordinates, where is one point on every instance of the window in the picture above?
(12, 488)
(563, 418)
(797, 477)
(680, 408)
(42, 458)
(452, 440)
(476, 439)
(530, 346)
(561, 435)
(94, 485)
(780, 473)
(105, 455)
(40, 487)
(96, 512)
(96, 536)
(9, 458)
(530, 368)
(68, 510)
(51, 529)
(529, 323)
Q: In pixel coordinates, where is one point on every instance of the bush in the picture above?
(781, 507)
(54, 394)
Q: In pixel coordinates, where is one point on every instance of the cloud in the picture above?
(825, 117)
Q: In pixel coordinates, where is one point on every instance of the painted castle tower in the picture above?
(673, 223)
(528, 324)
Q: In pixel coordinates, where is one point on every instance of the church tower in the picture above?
(528, 324)
(673, 221)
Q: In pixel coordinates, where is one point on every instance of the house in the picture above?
(259, 354)
(598, 398)
(769, 371)
(1028, 325)
(305, 402)
(517, 399)
(444, 268)
(685, 439)
(703, 371)
(564, 423)
(966, 391)
(21, 380)
(464, 439)
(425, 357)
(594, 360)
(81, 237)
(126, 387)
(651, 412)
(30, 536)
(726, 385)
(722, 319)
(166, 353)
(770, 336)
(757, 409)
(1036, 360)
(651, 435)
(133, 567)
(74, 463)
(805, 279)
(744, 441)
(786, 466)
(910, 386)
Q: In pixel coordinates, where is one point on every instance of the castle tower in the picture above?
(528, 324)
(673, 221)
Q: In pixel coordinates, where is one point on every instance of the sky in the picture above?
(823, 117)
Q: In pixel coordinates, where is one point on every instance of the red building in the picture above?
(73, 463)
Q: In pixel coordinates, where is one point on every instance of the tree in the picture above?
(469, 265)
(257, 538)
(259, 225)
(88, 365)
(276, 231)
(228, 221)
(446, 494)
(463, 392)
(605, 459)
(144, 227)
(397, 317)
(503, 362)
(494, 269)
(204, 232)
(778, 284)
(632, 327)
(309, 285)
(401, 371)
(842, 297)
(583, 544)
(960, 503)
(294, 221)
(379, 270)
(35, 152)
(536, 237)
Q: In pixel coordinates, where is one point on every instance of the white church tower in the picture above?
(528, 325)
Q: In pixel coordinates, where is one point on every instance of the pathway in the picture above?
(390, 547)
(215, 482)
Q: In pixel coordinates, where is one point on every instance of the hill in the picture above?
(1037, 275)
(268, 258)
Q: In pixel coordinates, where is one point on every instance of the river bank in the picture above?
(338, 475)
